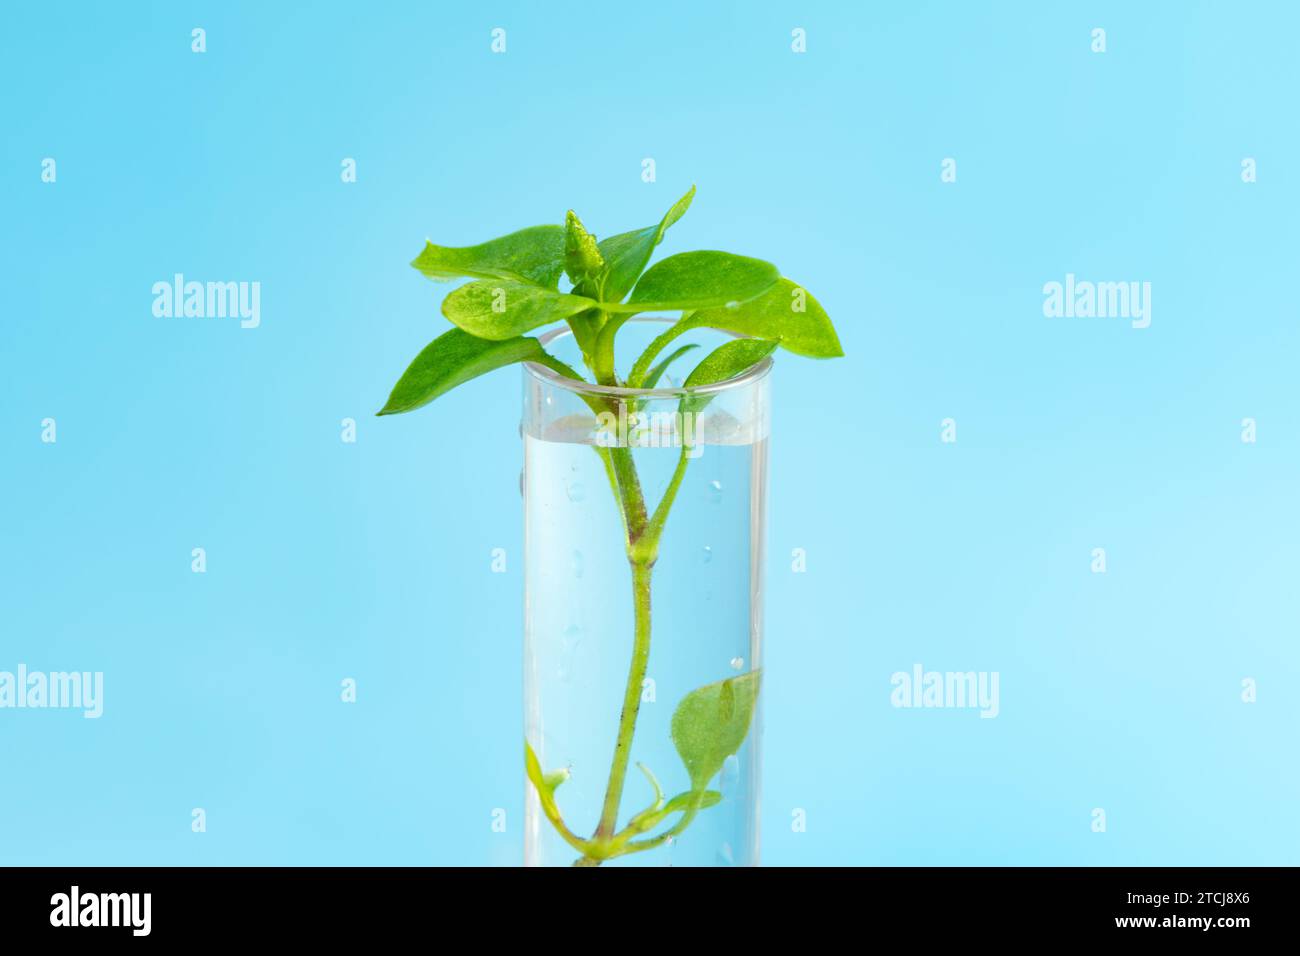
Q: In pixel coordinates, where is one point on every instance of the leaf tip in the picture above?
(415, 263)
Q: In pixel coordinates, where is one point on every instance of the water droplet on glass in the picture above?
(574, 490)
(730, 775)
(577, 564)
(737, 663)
(731, 768)
(708, 554)
(570, 641)
(728, 781)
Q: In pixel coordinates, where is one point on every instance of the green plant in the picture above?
(514, 290)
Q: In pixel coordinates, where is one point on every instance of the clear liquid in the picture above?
(706, 618)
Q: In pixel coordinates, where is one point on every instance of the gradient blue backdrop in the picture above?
(370, 560)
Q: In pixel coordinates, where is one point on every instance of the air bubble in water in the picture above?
(708, 554)
(730, 775)
(577, 563)
(521, 482)
(737, 663)
(715, 491)
(574, 490)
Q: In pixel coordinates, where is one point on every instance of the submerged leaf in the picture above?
(545, 784)
(654, 783)
(694, 800)
(689, 803)
(710, 724)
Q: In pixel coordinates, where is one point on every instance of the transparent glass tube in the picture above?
(643, 621)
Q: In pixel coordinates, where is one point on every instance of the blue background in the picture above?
(371, 560)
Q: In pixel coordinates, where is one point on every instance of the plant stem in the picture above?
(631, 701)
(647, 548)
(631, 500)
(643, 532)
(642, 365)
(643, 550)
(603, 366)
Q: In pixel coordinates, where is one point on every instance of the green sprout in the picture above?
(515, 290)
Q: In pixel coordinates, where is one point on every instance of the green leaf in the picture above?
(534, 255)
(648, 817)
(710, 724)
(641, 368)
(698, 280)
(786, 314)
(724, 362)
(652, 377)
(545, 783)
(555, 778)
(694, 800)
(627, 253)
(690, 802)
(498, 309)
(654, 783)
(451, 359)
(586, 327)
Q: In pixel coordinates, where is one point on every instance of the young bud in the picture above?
(582, 259)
